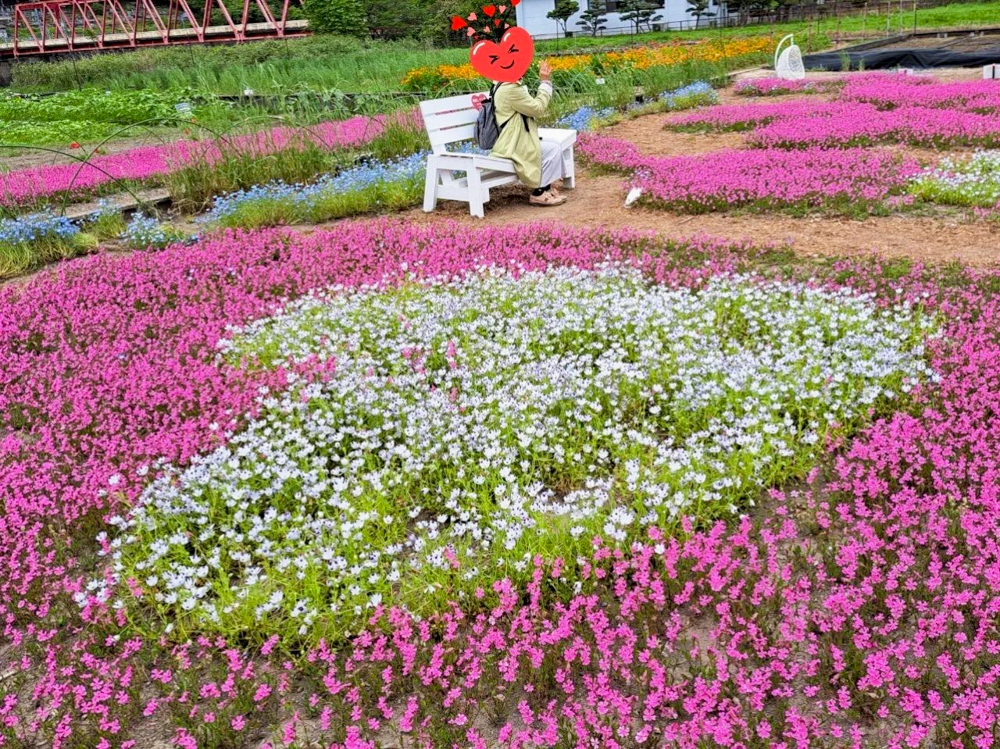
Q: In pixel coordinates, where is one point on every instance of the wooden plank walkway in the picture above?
(123, 202)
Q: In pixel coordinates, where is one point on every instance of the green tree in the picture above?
(394, 19)
(435, 27)
(699, 9)
(337, 17)
(639, 13)
(592, 19)
(562, 12)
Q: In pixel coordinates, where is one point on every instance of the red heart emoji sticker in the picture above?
(477, 101)
(505, 61)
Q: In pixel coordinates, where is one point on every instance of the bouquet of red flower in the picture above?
(490, 26)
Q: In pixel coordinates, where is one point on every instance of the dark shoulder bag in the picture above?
(487, 131)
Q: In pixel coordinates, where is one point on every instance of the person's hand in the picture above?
(544, 71)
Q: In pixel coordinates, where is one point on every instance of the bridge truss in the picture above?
(53, 27)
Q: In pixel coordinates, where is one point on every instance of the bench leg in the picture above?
(430, 185)
(569, 169)
(475, 193)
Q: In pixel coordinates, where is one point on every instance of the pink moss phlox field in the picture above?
(864, 125)
(771, 86)
(122, 370)
(869, 110)
(764, 178)
(859, 611)
(750, 116)
(149, 162)
(779, 86)
(905, 91)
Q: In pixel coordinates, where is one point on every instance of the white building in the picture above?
(673, 14)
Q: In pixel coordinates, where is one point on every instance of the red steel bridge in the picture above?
(54, 27)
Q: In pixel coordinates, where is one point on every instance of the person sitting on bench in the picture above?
(538, 163)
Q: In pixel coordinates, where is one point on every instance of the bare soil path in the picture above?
(598, 201)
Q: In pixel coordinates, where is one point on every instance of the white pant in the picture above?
(552, 163)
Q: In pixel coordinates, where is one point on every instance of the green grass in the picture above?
(17, 257)
(85, 115)
(270, 67)
(382, 196)
(193, 187)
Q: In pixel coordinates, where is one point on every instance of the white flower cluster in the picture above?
(974, 181)
(471, 424)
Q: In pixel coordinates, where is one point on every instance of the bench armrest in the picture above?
(562, 136)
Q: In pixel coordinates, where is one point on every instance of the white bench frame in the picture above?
(452, 120)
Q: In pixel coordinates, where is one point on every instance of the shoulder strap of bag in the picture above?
(493, 90)
(524, 117)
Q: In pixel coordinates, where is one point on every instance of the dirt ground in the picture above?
(942, 74)
(598, 201)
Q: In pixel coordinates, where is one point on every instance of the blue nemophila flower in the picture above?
(104, 208)
(584, 118)
(146, 232)
(356, 178)
(472, 423)
(36, 226)
(693, 95)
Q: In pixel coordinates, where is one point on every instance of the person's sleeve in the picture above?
(533, 106)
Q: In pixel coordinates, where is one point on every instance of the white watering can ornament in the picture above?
(788, 63)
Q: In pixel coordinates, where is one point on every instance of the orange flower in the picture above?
(570, 62)
(639, 58)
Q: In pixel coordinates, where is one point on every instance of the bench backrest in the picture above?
(450, 120)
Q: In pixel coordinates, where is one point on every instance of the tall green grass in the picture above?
(318, 62)
(239, 167)
(17, 257)
(383, 196)
(324, 62)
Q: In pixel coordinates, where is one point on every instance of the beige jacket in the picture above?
(515, 143)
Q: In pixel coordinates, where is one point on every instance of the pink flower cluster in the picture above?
(28, 186)
(761, 178)
(749, 116)
(918, 91)
(778, 86)
(871, 109)
(864, 125)
(858, 612)
(988, 214)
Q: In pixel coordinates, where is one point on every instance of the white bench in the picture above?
(452, 120)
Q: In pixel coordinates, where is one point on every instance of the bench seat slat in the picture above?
(448, 104)
(451, 135)
(451, 119)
